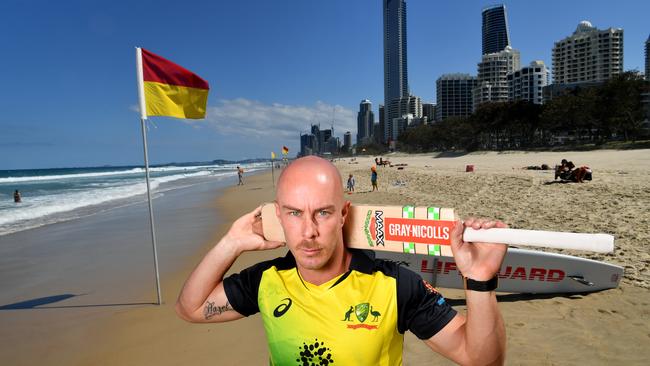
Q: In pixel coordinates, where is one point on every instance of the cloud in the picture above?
(255, 119)
(135, 108)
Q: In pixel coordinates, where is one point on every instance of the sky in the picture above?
(69, 95)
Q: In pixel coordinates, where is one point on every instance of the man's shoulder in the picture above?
(366, 261)
(280, 263)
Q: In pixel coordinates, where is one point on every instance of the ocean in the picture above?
(55, 195)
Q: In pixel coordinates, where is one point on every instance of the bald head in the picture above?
(310, 173)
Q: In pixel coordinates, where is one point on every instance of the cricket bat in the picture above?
(427, 230)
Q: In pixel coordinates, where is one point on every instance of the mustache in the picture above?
(308, 245)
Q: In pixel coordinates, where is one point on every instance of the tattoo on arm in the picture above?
(211, 309)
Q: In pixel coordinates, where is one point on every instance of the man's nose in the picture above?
(309, 227)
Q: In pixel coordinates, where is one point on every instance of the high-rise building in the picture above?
(399, 108)
(454, 95)
(379, 137)
(408, 104)
(588, 55)
(395, 66)
(323, 139)
(492, 77)
(317, 146)
(307, 143)
(365, 121)
(378, 133)
(318, 142)
(496, 36)
(527, 83)
(347, 141)
(333, 145)
(647, 59)
(429, 111)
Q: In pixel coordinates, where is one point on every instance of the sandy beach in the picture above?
(123, 328)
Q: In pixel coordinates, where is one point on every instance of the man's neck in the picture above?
(335, 268)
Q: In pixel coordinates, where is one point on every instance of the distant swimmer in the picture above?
(17, 197)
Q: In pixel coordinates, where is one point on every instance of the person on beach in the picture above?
(373, 178)
(327, 304)
(350, 183)
(240, 175)
(563, 171)
(17, 197)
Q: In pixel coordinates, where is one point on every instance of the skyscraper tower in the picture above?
(395, 68)
(647, 59)
(365, 122)
(496, 35)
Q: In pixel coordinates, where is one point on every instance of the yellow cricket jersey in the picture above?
(358, 318)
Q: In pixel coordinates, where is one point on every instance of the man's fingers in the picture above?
(458, 229)
(257, 212)
(273, 244)
(258, 228)
(481, 223)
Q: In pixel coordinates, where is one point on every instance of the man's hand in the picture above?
(203, 298)
(246, 234)
(478, 261)
(479, 338)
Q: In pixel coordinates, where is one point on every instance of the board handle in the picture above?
(600, 243)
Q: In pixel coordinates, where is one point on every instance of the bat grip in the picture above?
(601, 243)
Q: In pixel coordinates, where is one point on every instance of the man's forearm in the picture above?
(484, 330)
(205, 278)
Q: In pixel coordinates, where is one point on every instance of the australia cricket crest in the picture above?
(361, 311)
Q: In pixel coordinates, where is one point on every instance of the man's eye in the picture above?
(323, 213)
(294, 213)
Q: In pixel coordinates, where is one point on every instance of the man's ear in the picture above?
(344, 211)
(277, 209)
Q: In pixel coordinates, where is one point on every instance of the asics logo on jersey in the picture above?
(282, 308)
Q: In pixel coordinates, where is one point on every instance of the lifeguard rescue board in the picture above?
(522, 271)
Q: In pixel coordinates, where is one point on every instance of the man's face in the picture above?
(312, 212)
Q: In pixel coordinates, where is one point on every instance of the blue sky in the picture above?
(69, 89)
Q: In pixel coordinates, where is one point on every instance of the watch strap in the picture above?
(481, 286)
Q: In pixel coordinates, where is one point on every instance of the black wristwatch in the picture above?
(481, 286)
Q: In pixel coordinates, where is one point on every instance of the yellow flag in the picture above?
(169, 89)
(272, 155)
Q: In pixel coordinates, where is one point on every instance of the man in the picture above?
(373, 178)
(17, 197)
(240, 175)
(327, 304)
(351, 183)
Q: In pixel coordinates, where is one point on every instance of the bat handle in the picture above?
(601, 243)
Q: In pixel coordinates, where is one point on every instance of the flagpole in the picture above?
(143, 116)
(272, 175)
